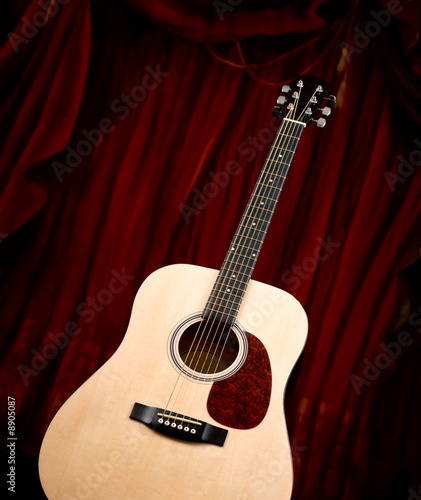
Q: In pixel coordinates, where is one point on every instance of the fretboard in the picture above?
(230, 286)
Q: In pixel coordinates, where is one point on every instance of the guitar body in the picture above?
(94, 450)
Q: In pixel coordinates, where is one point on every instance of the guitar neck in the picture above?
(231, 284)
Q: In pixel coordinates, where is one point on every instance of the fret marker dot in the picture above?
(233, 248)
(253, 224)
(228, 289)
(234, 276)
(253, 255)
(270, 180)
(262, 203)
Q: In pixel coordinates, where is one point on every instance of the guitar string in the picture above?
(180, 371)
(287, 135)
(263, 186)
(252, 213)
(217, 287)
(285, 132)
(246, 215)
(266, 188)
(263, 176)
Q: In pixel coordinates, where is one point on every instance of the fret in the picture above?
(225, 300)
(226, 282)
(256, 213)
(257, 218)
(235, 296)
(250, 224)
(268, 194)
(215, 309)
(249, 238)
(253, 228)
(219, 294)
(283, 156)
(232, 271)
(284, 136)
(266, 198)
(258, 226)
(225, 314)
(230, 287)
(268, 206)
(224, 287)
(261, 208)
(233, 280)
(281, 159)
(242, 246)
(280, 162)
(223, 282)
(268, 185)
(224, 310)
(238, 264)
(220, 289)
(257, 229)
(287, 135)
(231, 284)
(278, 175)
(283, 149)
(250, 252)
(287, 125)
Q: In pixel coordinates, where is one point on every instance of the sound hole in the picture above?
(208, 347)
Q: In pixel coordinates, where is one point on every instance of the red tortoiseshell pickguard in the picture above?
(242, 400)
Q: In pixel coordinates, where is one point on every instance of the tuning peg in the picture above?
(321, 122)
(331, 99)
(281, 100)
(276, 111)
(326, 111)
(286, 89)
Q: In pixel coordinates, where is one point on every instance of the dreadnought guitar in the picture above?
(190, 406)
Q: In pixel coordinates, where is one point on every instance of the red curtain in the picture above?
(116, 121)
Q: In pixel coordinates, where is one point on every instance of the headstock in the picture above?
(302, 102)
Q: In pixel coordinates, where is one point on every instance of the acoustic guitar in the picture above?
(191, 405)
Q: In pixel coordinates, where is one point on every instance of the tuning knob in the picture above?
(331, 99)
(321, 122)
(281, 100)
(276, 111)
(286, 89)
(326, 111)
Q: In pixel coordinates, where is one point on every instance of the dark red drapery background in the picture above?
(66, 233)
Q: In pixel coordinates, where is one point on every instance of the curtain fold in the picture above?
(220, 21)
(118, 119)
(40, 61)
